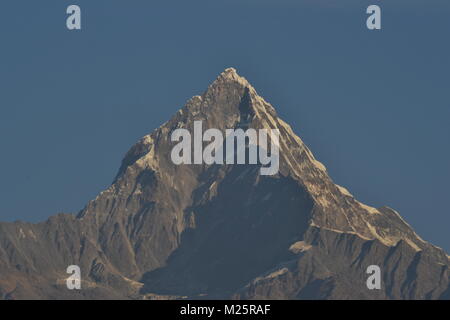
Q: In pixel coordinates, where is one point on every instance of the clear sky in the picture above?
(372, 105)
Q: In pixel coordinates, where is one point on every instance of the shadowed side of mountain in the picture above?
(237, 230)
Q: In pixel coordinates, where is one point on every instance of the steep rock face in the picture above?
(166, 231)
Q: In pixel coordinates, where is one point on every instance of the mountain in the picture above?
(166, 231)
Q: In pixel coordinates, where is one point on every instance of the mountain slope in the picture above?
(213, 231)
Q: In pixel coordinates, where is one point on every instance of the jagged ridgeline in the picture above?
(166, 231)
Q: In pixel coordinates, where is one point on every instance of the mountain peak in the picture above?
(222, 230)
(230, 72)
(231, 75)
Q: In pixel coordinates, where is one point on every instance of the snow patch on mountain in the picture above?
(344, 191)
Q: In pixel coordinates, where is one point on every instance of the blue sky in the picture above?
(373, 106)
